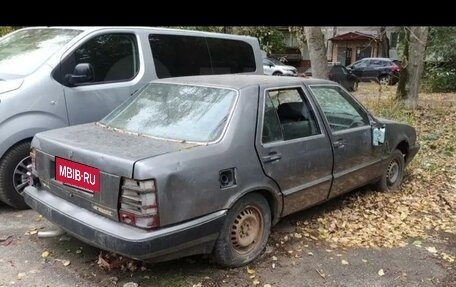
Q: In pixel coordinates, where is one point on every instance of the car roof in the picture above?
(237, 81)
(383, 59)
(89, 29)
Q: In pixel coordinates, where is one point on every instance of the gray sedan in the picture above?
(208, 164)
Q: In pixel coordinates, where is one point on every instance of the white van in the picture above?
(52, 77)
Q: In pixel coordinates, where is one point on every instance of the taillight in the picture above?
(395, 68)
(33, 157)
(138, 203)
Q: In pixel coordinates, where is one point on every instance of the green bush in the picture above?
(439, 78)
(440, 69)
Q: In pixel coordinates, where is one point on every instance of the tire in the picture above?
(354, 88)
(245, 232)
(9, 180)
(277, 74)
(393, 174)
(384, 80)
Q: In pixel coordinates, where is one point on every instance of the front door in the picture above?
(356, 160)
(115, 61)
(293, 147)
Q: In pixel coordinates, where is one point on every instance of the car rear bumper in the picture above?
(192, 237)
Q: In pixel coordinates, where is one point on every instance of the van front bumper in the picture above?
(192, 237)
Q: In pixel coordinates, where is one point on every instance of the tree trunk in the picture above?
(417, 39)
(403, 75)
(384, 42)
(317, 52)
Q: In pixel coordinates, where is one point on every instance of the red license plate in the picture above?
(77, 175)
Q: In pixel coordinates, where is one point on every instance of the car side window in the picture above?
(339, 108)
(288, 111)
(114, 57)
(360, 64)
(376, 63)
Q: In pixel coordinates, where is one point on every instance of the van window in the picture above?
(114, 57)
(231, 56)
(177, 55)
(25, 51)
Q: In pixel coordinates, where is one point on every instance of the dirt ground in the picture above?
(286, 262)
(293, 256)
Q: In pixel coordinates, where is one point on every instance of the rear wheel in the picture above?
(15, 170)
(393, 174)
(384, 80)
(245, 232)
(354, 88)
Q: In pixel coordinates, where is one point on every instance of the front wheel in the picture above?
(15, 170)
(393, 174)
(277, 74)
(245, 232)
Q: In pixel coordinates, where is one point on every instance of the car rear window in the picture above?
(174, 111)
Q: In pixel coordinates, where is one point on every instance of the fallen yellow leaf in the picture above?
(45, 254)
(250, 271)
(381, 272)
(256, 282)
(344, 262)
(66, 262)
(431, 249)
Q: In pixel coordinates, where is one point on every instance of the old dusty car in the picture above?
(207, 164)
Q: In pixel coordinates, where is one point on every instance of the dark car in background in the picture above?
(381, 70)
(341, 75)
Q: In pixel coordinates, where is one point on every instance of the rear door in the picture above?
(116, 63)
(356, 160)
(339, 75)
(293, 147)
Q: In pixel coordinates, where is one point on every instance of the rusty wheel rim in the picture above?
(247, 229)
(392, 173)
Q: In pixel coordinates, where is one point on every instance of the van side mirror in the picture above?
(82, 73)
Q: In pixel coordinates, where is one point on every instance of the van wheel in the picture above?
(245, 232)
(393, 174)
(14, 173)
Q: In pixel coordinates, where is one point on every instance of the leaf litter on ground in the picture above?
(424, 205)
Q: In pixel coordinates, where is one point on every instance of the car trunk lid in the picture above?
(110, 154)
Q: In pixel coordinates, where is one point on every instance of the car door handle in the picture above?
(272, 156)
(339, 144)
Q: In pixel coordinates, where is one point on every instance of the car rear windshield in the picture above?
(23, 52)
(177, 112)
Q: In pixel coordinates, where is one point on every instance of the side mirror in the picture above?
(82, 73)
(271, 65)
(378, 135)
